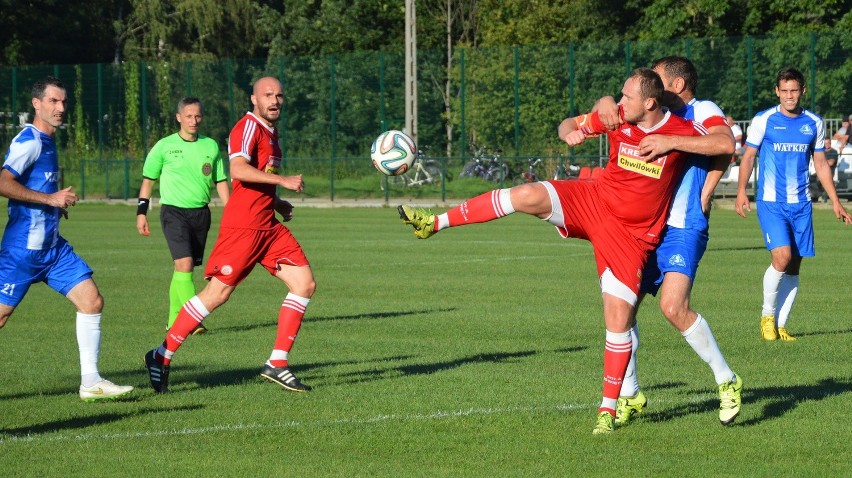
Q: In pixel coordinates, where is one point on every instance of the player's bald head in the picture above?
(264, 83)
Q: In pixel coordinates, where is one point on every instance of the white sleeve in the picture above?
(22, 155)
(756, 131)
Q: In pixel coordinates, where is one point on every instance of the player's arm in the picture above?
(142, 206)
(12, 189)
(718, 165)
(285, 208)
(223, 191)
(746, 168)
(608, 112)
(575, 130)
(242, 171)
(823, 172)
(718, 141)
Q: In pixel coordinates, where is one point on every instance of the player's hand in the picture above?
(574, 138)
(63, 198)
(841, 214)
(742, 204)
(285, 209)
(293, 183)
(142, 224)
(607, 110)
(63, 212)
(655, 145)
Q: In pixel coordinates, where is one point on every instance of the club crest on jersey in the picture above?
(629, 159)
(207, 169)
(677, 260)
(806, 129)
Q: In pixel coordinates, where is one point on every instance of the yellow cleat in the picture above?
(767, 327)
(628, 407)
(606, 424)
(423, 220)
(730, 400)
(784, 335)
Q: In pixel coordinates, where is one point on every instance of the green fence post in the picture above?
(333, 100)
(126, 178)
(231, 108)
(189, 78)
(14, 90)
(463, 132)
(516, 61)
(382, 120)
(571, 79)
(282, 123)
(100, 112)
(143, 88)
(750, 62)
(105, 164)
(627, 55)
(813, 71)
(82, 179)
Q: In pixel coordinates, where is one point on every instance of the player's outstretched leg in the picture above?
(730, 399)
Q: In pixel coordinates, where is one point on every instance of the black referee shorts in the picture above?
(186, 231)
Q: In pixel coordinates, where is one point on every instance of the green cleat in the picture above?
(606, 424)
(730, 399)
(423, 220)
(628, 407)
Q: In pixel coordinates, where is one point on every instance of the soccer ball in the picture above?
(393, 153)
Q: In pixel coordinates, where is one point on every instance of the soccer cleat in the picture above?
(422, 220)
(767, 327)
(606, 424)
(628, 407)
(158, 373)
(284, 377)
(730, 399)
(103, 390)
(784, 335)
(199, 329)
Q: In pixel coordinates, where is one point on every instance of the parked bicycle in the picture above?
(533, 173)
(486, 164)
(423, 171)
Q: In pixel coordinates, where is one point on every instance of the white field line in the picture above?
(239, 427)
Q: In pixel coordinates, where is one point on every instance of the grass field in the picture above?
(475, 353)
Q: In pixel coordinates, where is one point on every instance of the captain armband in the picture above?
(142, 206)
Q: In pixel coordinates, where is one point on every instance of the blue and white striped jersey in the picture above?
(686, 206)
(786, 145)
(33, 161)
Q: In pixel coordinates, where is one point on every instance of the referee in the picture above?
(187, 165)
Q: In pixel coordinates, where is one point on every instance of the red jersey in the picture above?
(252, 205)
(636, 192)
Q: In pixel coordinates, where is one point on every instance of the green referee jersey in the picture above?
(187, 170)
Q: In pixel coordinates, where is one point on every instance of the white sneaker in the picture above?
(103, 390)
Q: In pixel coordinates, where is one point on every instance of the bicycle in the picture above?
(532, 174)
(486, 165)
(423, 171)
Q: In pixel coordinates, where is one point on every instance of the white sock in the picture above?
(701, 339)
(630, 385)
(771, 282)
(786, 296)
(441, 221)
(89, 343)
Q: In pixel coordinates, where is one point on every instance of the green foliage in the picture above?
(132, 114)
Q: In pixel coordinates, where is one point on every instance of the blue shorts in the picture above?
(787, 224)
(59, 267)
(680, 251)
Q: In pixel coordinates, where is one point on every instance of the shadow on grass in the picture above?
(780, 400)
(79, 423)
(365, 316)
(430, 368)
(824, 332)
(742, 248)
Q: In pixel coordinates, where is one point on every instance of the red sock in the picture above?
(616, 358)
(289, 322)
(190, 315)
(483, 208)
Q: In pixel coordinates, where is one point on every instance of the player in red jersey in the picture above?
(622, 213)
(250, 234)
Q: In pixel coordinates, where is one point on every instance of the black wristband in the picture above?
(142, 207)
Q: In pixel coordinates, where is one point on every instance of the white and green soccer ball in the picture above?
(393, 152)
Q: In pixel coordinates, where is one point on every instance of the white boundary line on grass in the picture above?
(236, 427)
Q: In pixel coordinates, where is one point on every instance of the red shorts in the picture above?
(579, 212)
(237, 251)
